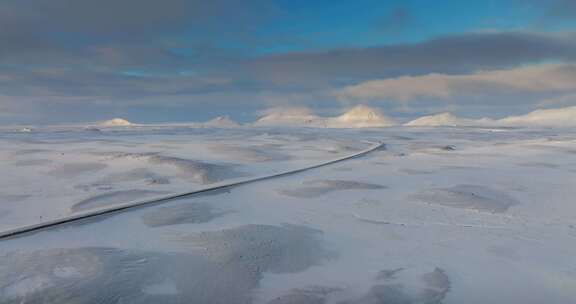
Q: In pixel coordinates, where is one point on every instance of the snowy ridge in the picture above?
(296, 116)
(559, 117)
(368, 117)
(449, 120)
(357, 117)
(361, 117)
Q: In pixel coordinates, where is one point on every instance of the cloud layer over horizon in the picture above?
(177, 60)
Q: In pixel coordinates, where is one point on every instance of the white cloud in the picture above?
(530, 79)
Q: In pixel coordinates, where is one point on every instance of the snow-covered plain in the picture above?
(442, 215)
(54, 172)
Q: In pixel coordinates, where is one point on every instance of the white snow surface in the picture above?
(52, 173)
(442, 215)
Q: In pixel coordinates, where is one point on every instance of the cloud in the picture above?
(58, 32)
(564, 9)
(450, 54)
(562, 100)
(530, 79)
(60, 29)
(67, 75)
(95, 17)
(553, 10)
(125, 18)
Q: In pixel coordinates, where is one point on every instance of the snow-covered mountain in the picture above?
(447, 119)
(297, 116)
(358, 117)
(115, 122)
(361, 117)
(559, 117)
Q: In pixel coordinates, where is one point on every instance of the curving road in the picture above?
(16, 232)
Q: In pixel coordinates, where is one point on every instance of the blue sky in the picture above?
(332, 24)
(190, 60)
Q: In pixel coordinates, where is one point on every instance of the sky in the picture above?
(67, 61)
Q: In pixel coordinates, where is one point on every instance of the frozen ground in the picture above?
(442, 215)
(54, 172)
